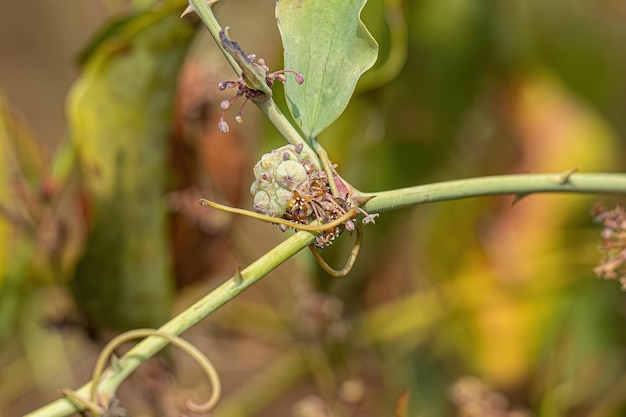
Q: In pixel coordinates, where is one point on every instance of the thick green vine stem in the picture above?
(517, 185)
(185, 320)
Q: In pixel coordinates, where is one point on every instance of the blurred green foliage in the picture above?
(120, 115)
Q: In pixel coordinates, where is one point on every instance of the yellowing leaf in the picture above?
(119, 113)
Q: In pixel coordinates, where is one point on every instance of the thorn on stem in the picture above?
(188, 10)
(564, 177)
(518, 197)
(191, 9)
(238, 278)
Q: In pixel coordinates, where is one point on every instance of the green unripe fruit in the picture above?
(277, 175)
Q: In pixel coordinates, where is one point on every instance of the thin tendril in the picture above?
(74, 397)
(349, 262)
(175, 340)
(277, 220)
(328, 168)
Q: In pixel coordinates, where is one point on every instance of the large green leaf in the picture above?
(119, 114)
(326, 41)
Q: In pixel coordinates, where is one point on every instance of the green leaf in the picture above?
(120, 119)
(325, 41)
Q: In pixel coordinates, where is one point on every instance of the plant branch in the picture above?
(518, 185)
(267, 106)
(328, 167)
(286, 129)
(185, 320)
(203, 10)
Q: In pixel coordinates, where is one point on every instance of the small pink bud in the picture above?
(222, 85)
(225, 104)
(223, 126)
(299, 78)
(299, 148)
(281, 78)
(261, 61)
(239, 118)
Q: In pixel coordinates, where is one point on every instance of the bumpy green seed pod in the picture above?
(277, 175)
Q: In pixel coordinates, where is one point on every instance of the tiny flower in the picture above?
(261, 63)
(370, 218)
(223, 85)
(223, 126)
(250, 93)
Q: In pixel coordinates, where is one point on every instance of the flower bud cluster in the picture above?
(277, 175)
(613, 235)
(288, 185)
(243, 90)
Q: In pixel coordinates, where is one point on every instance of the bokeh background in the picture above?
(108, 137)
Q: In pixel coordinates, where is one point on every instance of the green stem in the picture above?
(519, 185)
(328, 167)
(185, 320)
(387, 200)
(208, 18)
(267, 106)
(286, 129)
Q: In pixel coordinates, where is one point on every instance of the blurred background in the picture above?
(108, 137)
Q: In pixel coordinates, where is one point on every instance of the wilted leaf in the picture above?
(326, 41)
(21, 161)
(119, 113)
